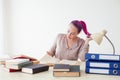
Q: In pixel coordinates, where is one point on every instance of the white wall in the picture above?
(1, 28)
(30, 26)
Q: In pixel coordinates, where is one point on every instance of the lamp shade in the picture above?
(97, 37)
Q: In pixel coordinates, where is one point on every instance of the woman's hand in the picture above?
(49, 54)
(88, 40)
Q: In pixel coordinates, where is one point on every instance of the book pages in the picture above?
(47, 59)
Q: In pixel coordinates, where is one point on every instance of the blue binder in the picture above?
(103, 64)
(103, 71)
(110, 57)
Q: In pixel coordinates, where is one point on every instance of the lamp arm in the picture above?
(111, 44)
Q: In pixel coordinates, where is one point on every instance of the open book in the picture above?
(47, 59)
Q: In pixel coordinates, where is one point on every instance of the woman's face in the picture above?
(72, 31)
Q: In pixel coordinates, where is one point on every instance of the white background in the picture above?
(1, 28)
(30, 26)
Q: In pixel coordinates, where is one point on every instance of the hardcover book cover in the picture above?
(35, 68)
(19, 65)
(74, 72)
(61, 67)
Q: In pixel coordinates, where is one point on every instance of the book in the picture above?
(70, 62)
(19, 65)
(103, 71)
(2, 60)
(103, 64)
(15, 61)
(11, 70)
(47, 59)
(91, 56)
(61, 67)
(35, 68)
(35, 62)
(24, 57)
(74, 72)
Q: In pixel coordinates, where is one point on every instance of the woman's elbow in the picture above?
(83, 60)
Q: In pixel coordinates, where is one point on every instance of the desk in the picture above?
(48, 75)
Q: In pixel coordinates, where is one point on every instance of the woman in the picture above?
(69, 46)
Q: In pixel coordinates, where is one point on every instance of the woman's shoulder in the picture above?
(81, 40)
(61, 35)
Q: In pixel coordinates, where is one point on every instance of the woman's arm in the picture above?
(84, 49)
(51, 54)
(52, 50)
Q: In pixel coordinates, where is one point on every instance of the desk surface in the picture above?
(48, 75)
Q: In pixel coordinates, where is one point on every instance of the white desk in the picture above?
(48, 75)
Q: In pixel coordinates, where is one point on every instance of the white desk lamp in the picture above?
(97, 37)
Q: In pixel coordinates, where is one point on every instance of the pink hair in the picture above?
(81, 25)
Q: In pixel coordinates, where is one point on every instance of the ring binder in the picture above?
(92, 56)
(115, 65)
(102, 64)
(108, 57)
(115, 72)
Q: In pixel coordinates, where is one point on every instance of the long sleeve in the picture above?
(52, 50)
(83, 50)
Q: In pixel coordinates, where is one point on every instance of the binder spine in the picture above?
(103, 71)
(103, 64)
(92, 56)
(108, 57)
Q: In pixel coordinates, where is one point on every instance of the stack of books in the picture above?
(102, 64)
(66, 70)
(14, 65)
(24, 65)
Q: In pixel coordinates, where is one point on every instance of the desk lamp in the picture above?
(97, 37)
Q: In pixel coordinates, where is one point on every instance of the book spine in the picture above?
(103, 64)
(90, 56)
(103, 71)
